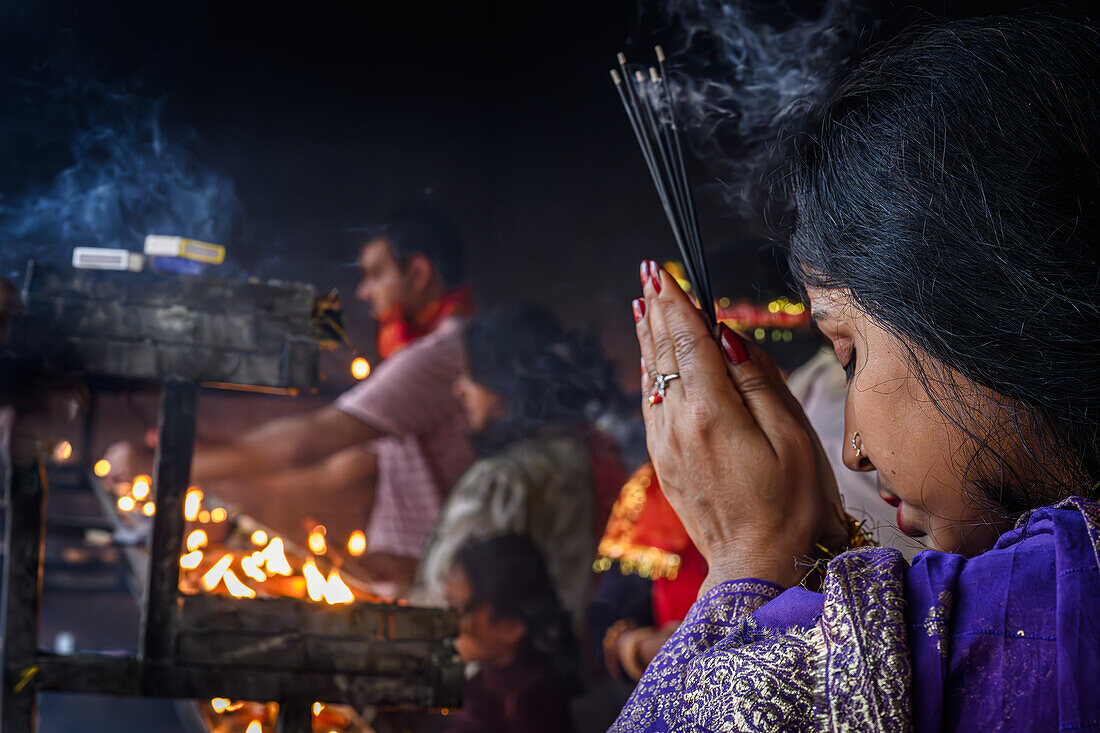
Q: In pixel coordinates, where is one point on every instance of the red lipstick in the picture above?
(892, 500)
(900, 525)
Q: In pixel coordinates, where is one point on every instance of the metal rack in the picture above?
(277, 649)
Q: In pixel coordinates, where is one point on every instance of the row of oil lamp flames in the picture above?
(265, 562)
(331, 718)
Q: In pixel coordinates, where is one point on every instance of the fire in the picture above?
(254, 727)
(333, 591)
(237, 589)
(317, 540)
(63, 451)
(196, 539)
(126, 503)
(211, 577)
(317, 708)
(360, 368)
(275, 558)
(337, 591)
(357, 543)
(219, 704)
(250, 564)
(102, 467)
(204, 516)
(191, 560)
(259, 538)
(141, 487)
(316, 585)
(192, 502)
(218, 514)
(149, 509)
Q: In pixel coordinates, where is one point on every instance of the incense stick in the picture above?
(649, 107)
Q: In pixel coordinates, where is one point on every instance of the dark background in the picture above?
(324, 117)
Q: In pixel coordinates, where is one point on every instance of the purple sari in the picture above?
(1007, 640)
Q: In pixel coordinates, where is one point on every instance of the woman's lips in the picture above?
(901, 525)
(892, 500)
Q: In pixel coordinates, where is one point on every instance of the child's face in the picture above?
(482, 636)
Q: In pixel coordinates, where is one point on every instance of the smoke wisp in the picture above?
(747, 77)
(127, 174)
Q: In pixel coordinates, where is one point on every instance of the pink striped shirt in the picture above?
(409, 397)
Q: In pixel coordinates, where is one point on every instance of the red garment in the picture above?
(395, 331)
(646, 537)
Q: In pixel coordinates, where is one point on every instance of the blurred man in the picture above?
(401, 431)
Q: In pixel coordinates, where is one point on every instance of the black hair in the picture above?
(952, 191)
(508, 575)
(419, 228)
(545, 376)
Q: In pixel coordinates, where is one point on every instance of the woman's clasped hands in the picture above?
(732, 448)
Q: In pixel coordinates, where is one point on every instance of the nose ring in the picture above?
(857, 446)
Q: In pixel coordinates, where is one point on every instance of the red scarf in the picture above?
(396, 331)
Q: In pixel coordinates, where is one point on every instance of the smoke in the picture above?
(748, 77)
(126, 173)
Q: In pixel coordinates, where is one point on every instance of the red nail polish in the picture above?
(639, 309)
(655, 275)
(733, 346)
(644, 272)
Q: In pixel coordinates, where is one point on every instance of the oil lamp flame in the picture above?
(275, 558)
(141, 487)
(250, 566)
(336, 590)
(212, 576)
(192, 503)
(360, 368)
(259, 538)
(237, 589)
(357, 543)
(317, 540)
(102, 467)
(63, 451)
(196, 540)
(316, 585)
(191, 560)
(254, 727)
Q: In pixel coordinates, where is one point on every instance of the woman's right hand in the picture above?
(733, 450)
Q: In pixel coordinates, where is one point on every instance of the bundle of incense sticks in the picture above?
(647, 99)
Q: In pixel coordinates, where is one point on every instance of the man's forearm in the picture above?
(291, 442)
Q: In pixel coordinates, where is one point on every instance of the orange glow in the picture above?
(360, 368)
(141, 487)
(204, 517)
(254, 727)
(357, 543)
(149, 509)
(218, 514)
(259, 538)
(126, 503)
(220, 704)
(275, 558)
(317, 708)
(102, 467)
(196, 539)
(192, 503)
(336, 590)
(317, 540)
(212, 576)
(237, 589)
(315, 582)
(63, 451)
(191, 560)
(251, 568)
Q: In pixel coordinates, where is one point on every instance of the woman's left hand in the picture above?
(733, 450)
